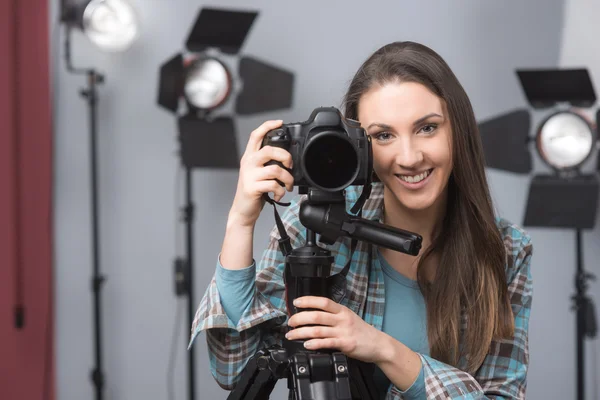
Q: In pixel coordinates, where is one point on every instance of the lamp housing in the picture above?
(111, 25)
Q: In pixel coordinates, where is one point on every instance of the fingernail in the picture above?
(308, 345)
(297, 302)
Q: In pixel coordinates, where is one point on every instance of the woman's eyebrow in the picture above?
(379, 125)
(423, 119)
(417, 122)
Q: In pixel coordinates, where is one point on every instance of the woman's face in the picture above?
(412, 141)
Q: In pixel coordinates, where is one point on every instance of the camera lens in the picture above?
(330, 161)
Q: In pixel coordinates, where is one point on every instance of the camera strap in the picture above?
(366, 192)
(285, 244)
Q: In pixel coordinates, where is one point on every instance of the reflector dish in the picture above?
(565, 140)
(207, 83)
(110, 24)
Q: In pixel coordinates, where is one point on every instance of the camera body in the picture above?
(329, 152)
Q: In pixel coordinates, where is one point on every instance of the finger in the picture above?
(325, 343)
(311, 332)
(312, 318)
(276, 172)
(278, 195)
(271, 153)
(322, 303)
(257, 135)
(270, 186)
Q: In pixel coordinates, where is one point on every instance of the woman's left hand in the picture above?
(339, 328)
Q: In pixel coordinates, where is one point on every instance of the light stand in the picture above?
(90, 93)
(585, 314)
(120, 35)
(566, 198)
(203, 82)
(188, 213)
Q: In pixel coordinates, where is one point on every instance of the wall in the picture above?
(141, 190)
(26, 351)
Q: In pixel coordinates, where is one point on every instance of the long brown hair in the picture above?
(471, 279)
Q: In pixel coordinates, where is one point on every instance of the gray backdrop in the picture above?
(141, 192)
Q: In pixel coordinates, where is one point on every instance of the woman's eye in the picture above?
(428, 129)
(382, 136)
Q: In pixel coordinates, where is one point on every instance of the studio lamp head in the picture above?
(198, 82)
(207, 83)
(112, 25)
(564, 140)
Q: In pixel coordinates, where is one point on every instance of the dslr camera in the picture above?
(329, 152)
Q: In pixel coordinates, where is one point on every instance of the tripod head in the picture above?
(308, 268)
(329, 374)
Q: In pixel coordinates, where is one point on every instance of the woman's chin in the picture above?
(414, 202)
(416, 206)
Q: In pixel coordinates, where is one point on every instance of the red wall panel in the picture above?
(26, 355)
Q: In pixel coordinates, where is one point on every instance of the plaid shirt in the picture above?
(501, 376)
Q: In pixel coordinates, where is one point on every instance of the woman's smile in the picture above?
(415, 181)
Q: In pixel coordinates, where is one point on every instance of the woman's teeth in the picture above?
(415, 178)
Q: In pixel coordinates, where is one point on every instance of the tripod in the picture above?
(585, 315)
(329, 374)
(91, 95)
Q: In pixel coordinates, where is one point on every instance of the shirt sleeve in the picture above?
(262, 322)
(416, 391)
(503, 374)
(236, 288)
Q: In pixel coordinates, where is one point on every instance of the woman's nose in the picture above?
(409, 155)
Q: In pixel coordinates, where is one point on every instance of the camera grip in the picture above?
(277, 138)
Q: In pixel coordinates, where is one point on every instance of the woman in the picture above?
(449, 323)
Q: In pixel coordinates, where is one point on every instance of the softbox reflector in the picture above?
(170, 87)
(546, 87)
(223, 29)
(562, 203)
(208, 144)
(265, 87)
(504, 140)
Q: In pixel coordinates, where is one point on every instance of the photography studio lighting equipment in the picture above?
(567, 197)
(196, 85)
(110, 25)
(565, 140)
(207, 84)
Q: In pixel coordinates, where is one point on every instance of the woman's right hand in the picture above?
(255, 178)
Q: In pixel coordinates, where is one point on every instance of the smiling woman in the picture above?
(449, 323)
(412, 146)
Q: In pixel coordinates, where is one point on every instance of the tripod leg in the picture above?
(261, 374)
(361, 378)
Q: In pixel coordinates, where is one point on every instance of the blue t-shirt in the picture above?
(404, 319)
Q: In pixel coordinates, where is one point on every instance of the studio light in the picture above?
(207, 83)
(565, 140)
(112, 25)
(568, 196)
(195, 86)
